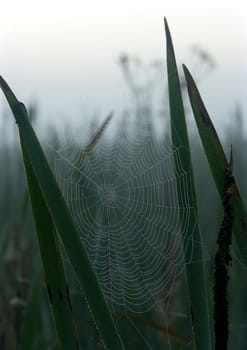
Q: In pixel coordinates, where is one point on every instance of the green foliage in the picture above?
(193, 253)
(218, 162)
(52, 262)
(27, 324)
(49, 208)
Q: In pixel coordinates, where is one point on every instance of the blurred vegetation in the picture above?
(20, 261)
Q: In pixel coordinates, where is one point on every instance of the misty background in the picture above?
(64, 56)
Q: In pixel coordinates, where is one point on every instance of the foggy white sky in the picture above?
(64, 53)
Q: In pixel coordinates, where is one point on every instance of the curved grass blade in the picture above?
(64, 224)
(217, 162)
(52, 263)
(192, 253)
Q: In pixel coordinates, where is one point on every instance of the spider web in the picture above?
(123, 198)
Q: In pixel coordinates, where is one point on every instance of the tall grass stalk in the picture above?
(193, 255)
(63, 223)
(52, 262)
(218, 162)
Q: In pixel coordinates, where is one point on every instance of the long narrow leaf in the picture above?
(217, 161)
(64, 224)
(52, 262)
(193, 253)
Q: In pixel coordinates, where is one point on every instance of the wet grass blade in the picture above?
(192, 252)
(217, 161)
(52, 263)
(64, 224)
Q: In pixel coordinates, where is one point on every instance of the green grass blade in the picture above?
(193, 253)
(64, 224)
(52, 263)
(217, 161)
